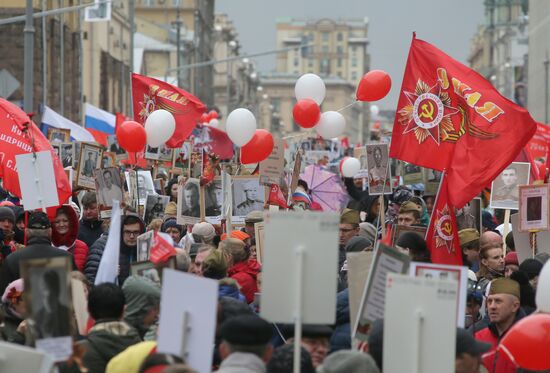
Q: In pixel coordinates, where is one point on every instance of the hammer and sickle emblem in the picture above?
(427, 112)
(447, 228)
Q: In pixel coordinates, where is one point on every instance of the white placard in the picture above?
(316, 234)
(37, 180)
(16, 358)
(199, 306)
(80, 305)
(419, 323)
(444, 272)
(521, 240)
(359, 265)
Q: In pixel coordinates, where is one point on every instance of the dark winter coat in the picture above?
(341, 337)
(228, 287)
(89, 231)
(246, 274)
(77, 248)
(105, 340)
(8, 328)
(37, 248)
(126, 257)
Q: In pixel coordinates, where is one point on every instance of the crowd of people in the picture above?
(122, 331)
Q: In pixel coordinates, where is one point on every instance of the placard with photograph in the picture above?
(108, 159)
(154, 207)
(67, 154)
(212, 201)
(295, 177)
(56, 149)
(109, 187)
(59, 135)
(189, 211)
(534, 207)
(139, 184)
(48, 300)
(152, 153)
(432, 178)
(181, 159)
(317, 157)
(470, 215)
(400, 229)
(144, 243)
(89, 161)
(259, 235)
(195, 165)
(145, 269)
(271, 168)
(248, 196)
(165, 154)
(379, 170)
(412, 174)
(505, 188)
(114, 147)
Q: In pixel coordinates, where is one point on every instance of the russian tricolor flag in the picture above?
(52, 119)
(99, 123)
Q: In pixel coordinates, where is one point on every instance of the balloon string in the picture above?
(347, 106)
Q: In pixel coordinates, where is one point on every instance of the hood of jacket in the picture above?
(68, 238)
(252, 267)
(111, 336)
(229, 287)
(141, 296)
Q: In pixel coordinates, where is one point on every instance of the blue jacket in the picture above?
(341, 337)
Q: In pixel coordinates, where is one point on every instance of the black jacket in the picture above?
(37, 248)
(126, 257)
(89, 231)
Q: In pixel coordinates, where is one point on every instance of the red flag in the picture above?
(161, 249)
(450, 117)
(276, 197)
(213, 140)
(19, 135)
(151, 94)
(442, 234)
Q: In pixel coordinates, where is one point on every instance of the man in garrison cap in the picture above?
(245, 345)
(469, 244)
(409, 214)
(251, 202)
(503, 306)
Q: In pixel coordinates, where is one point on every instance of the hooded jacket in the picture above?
(141, 296)
(127, 254)
(246, 274)
(68, 241)
(228, 287)
(341, 337)
(105, 340)
(89, 231)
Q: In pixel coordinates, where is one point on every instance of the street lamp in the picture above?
(546, 63)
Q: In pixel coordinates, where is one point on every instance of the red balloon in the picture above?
(131, 136)
(306, 113)
(373, 86)
(257, 149)
(204, 118)
(527, 341)
(213, 114)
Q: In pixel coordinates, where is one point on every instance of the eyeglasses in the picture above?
(131, 233)
(346, 230)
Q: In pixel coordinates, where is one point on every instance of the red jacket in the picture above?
(246, 274)
(503, 362)
(68, 241)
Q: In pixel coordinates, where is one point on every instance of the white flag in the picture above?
(53, 119)
(108, 266)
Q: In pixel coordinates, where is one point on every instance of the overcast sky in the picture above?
(448, 24)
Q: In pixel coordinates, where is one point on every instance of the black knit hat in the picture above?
(38, 220)
(7, 213)
(531, 267)
(246, 330)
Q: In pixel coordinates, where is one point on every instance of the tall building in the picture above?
(337, 52)
(539, 61)
(57, 68)
(499, 48)
(106, 61)
(196, 21)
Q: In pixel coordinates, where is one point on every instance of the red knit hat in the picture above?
(511, 258)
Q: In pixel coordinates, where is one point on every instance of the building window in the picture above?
(340, 37)
(353, 49)
(354, 75)
(339, 62)
(325, 49)
(324, 67)
(325, 37)
(354, 62)
(310, 62)
(296, 61)
(148, 2)
(339, 49)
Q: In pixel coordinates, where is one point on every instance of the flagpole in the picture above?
(443, 174)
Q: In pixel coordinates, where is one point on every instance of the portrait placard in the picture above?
(412, 174)
(165, 154)
(89, 161)
(505, 188)
(317, 157)
(432, 178)
(144, 243)
(152, 153)
(195, 165)
(248, 196)
(296, 172)
(154, 207)
(271, 169)
(114, 147)
(59, 135)
(379, 169)
(188, 211)
(400, 229)
(212, 201)
(67, 154)
(534, 207)
(469, 216)
(259, 234)
(109, 188)
(140, 184)
(108, 159)
(48, 300)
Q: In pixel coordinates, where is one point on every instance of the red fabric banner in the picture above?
(151, 94)
(161, 249)
(19, 135)
(442, 235)
(450, 117)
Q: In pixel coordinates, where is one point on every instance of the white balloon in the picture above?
(332, 124)
(240, 126)
(310, 86)
(350, 167)
(374, 110)
(159, 126)
(543, 289)
(214, 123)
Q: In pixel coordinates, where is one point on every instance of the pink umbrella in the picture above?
(325, 188)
